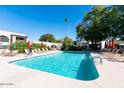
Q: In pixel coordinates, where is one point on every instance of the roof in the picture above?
(3, 32)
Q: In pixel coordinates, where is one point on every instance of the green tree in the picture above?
(47, 37)
(80, 32)
(94, 29)
(35, 45)
(58, 41)
(118, 20)
(67, 42)
(102, 22)
(113, 18)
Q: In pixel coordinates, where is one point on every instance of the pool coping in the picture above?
(43, 54)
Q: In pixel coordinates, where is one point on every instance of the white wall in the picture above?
(102, 44)
(14, 39)
(49, 43)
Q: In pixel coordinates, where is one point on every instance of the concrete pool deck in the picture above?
(11, 75)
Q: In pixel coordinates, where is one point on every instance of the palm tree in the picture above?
(66, 21)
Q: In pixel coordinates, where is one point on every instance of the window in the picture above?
(4, 46)
(4, 39)
(20, 38)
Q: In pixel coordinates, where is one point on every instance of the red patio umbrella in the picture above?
(28, 45)
(113, 45)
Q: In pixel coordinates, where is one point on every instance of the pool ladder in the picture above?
(97, 59)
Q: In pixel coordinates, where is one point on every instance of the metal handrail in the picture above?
(96, 57)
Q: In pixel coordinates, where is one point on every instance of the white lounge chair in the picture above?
(15, 51)
(33, 51)
(46, 49)
(1, 52)
(7, 52)
(36, 51)
(27, 52)
(39, 50)
(43, 49)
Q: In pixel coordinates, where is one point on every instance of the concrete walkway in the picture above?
(11, 75)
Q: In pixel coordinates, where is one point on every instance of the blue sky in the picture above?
(37, 20)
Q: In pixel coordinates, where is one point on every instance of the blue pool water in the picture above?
(77, 65)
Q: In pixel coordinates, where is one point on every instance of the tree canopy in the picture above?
(102, 22)
(58, 41)
(47, 37)
(67, 42)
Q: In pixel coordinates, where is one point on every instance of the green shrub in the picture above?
(21, 50)
(35, 46)
(75, 48)
(42, 45)
(63, 47)
(20, 46)
(72, 48)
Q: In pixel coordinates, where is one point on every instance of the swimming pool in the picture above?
(76, 65)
